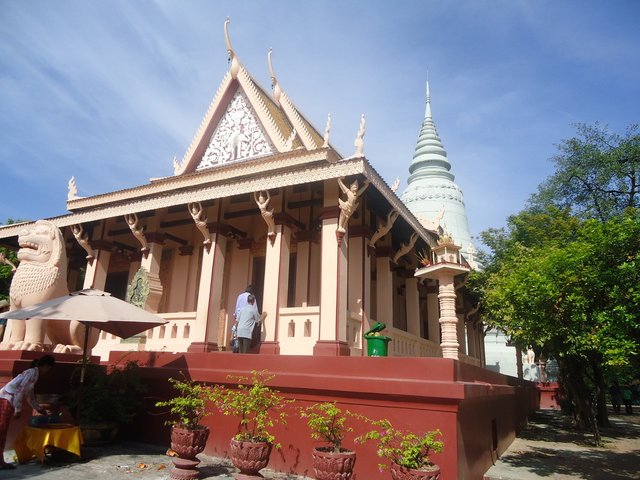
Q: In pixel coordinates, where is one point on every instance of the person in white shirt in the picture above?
(12, 395)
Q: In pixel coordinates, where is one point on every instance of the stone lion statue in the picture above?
(41, 276)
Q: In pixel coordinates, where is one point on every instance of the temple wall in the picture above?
(477, 411)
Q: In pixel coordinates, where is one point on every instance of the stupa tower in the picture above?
(431, 193)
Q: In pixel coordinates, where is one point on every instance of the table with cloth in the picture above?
(32, 441)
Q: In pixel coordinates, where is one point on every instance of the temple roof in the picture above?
(244, 121)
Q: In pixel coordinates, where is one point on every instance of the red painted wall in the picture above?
(478, 411)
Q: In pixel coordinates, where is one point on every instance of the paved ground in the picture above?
(550, 449)
(547, 449)
(119, 461)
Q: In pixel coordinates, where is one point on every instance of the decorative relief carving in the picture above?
(289, 145)
(169, 185)
(138, 231)
(395, 185)
(359, 142)
(238, 135)
(83, 240)
(434, 223)
(327, 132)
(200, 219)
(267, 215)
(72, 194)
(348, 206)
(312, 172)
(405, 247)
(383, 228)
(443, 191)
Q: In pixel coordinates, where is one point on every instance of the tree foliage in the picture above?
(597, 173)
(570, 287)
(6, 272)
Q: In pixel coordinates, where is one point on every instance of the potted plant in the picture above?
(188, 437)
(259, 408)
(406, 452)
(106, 399)
(328, 423)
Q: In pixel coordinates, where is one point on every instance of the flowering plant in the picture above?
(258, 406)
(404, 448)
(190, 405)
(327, 423)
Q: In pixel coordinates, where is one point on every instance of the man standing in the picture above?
(241, 301)
(246, 319)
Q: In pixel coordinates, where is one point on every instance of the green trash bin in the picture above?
(377, 345)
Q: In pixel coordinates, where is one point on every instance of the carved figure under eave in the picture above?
(41, 276)
(383, 228)
(267, 215)
(348, 206)
(405, 247)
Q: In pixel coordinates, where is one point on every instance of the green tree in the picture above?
(570, 287)
(597, 173)
(6, 271)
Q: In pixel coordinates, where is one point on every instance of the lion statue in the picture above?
(41, 276)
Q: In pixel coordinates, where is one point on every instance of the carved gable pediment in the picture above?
(238, 135)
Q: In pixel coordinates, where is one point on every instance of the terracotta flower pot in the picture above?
(431, 472)
(329, 465)
(188, 443)
(250, 457)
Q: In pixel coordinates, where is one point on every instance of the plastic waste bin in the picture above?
(377, 344)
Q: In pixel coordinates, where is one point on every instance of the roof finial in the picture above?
(277, 91)
(227, 38)
(235, 65)
(427, 112)
(327, 132)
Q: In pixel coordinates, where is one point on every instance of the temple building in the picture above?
(261, 197)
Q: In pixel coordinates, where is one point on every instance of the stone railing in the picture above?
(404, 344)
(298, 330)
(171, 337)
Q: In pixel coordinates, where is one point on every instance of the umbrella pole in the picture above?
(84, 353)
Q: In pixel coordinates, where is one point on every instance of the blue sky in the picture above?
(111, 91)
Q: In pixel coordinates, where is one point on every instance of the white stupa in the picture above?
(431, 193)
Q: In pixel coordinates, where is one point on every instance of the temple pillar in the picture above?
(412, 299)
(151, 263)
(276, 280)
(471, 338)
(433, 312)
(384, 286)
(97, 269)
(303, 263)
(460, 331)
(205, 331)
(445, 267)
(333, 282)
(448, 318)
(359, 291)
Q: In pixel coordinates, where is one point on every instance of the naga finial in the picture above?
(277, 91)
(359, 142)
(72, 194)
(235, 66)
(227, 38)
(327, 131)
